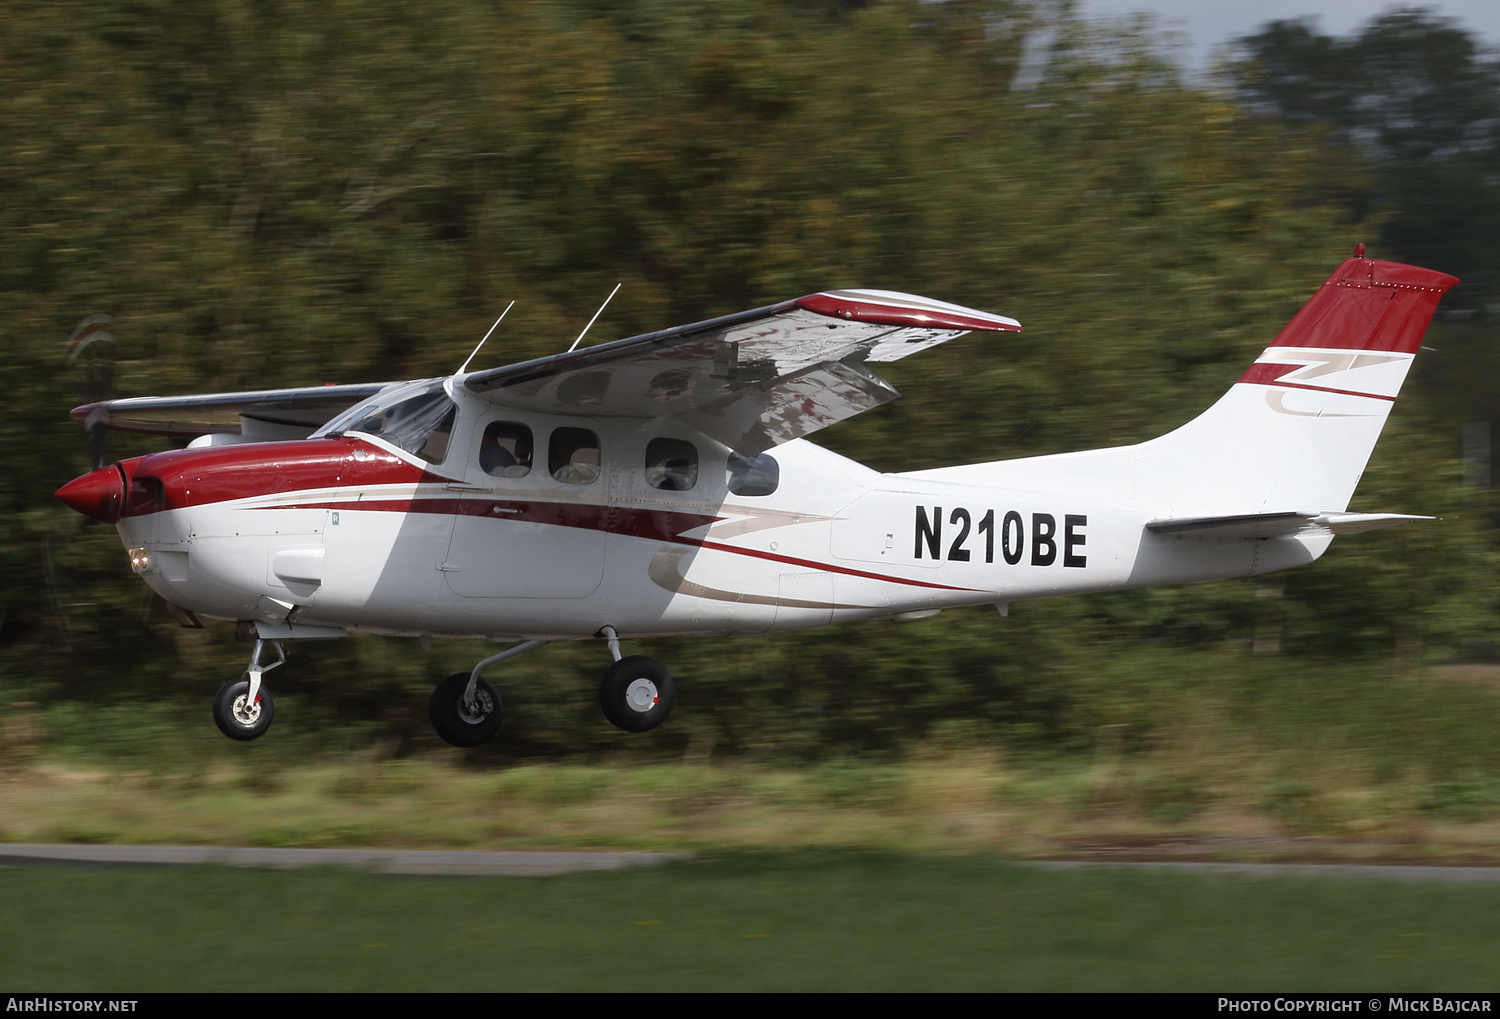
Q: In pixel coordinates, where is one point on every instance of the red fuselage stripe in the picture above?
(791, 561)
(197, 477)
(655, 525)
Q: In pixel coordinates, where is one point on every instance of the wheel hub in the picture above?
(246, 714)
(641, 695)
(477, 710)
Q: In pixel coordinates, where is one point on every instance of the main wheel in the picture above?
(465, 725)
(636, 693)
(236, 717)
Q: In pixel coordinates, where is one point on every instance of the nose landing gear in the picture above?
(243, 707)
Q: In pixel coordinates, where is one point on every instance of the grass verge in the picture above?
(810, 921)
(1107, 807)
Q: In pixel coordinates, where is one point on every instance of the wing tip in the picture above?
(881, 307)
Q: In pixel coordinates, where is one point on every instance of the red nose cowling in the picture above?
(99, 494)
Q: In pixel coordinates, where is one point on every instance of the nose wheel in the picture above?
(242, 707)
(241, 715)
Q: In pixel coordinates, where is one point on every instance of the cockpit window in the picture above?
(753, 475)
(505, 450)
(416, 418)
(671, 464)
(573, 456)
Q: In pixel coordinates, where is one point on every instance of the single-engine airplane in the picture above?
(661, 484)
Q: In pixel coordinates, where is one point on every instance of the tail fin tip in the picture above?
(1368, 304)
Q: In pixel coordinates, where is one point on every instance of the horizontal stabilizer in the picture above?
(1359, 523)
(1278, 525)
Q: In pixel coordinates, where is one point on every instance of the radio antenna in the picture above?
(586, 328)
(509, 306)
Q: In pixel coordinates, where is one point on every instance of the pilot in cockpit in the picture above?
(505, 451)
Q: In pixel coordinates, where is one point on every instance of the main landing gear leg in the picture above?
(465, 708)
(242, 707)
(636, 692)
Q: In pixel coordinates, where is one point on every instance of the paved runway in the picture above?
(1380, 872)
(382, 861)
(523, 864)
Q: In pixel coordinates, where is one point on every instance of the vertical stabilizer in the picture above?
(1293, 434)
(1297, 428)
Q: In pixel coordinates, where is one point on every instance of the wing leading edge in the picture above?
(751, 380)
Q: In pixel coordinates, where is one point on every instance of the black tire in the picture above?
(636, 693)
(231, 715)
(456, 724)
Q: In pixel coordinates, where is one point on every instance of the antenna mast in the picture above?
(509, 306)
(586, 328)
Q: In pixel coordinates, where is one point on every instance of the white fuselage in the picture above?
(364, 536)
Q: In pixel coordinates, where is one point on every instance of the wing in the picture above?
(263, 414)
(752, 380)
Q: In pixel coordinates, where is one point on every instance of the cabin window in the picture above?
(753, 475)
(433, 446)
(573, 456)
(505, 450)
(671, 464)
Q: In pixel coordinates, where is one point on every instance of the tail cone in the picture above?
(99, 494)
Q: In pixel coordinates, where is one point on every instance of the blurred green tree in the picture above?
(278, 192)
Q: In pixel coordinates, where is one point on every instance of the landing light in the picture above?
(140, 560)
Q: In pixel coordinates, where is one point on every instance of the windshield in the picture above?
(417, 418)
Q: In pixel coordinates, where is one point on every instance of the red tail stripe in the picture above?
(1261, 373)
